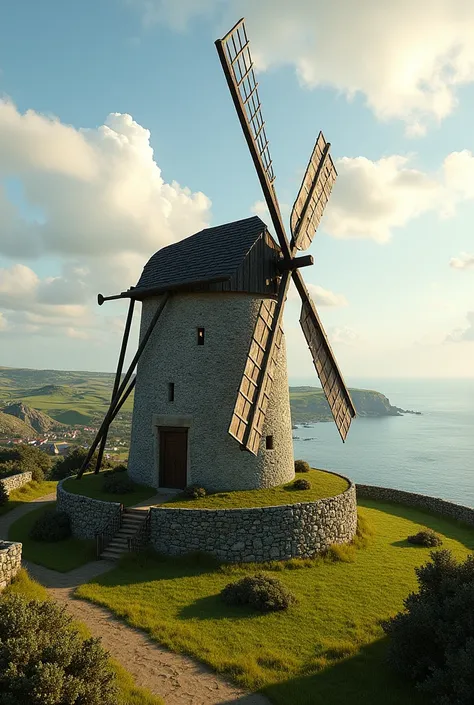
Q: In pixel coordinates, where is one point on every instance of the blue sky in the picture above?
(82, 207)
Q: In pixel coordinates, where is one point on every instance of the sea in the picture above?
(432, 454)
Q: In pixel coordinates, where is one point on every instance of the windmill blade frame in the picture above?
(313, 195)
(238, 67)
(333, 384)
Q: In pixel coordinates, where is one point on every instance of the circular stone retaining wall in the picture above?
(422, 501)
(259, 533)
(88, 516)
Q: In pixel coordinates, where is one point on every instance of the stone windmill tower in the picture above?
(211, 389)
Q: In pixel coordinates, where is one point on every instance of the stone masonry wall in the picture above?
(88, 516)
(432, 504)
(14, 481)
(10, 562)
(258, 533)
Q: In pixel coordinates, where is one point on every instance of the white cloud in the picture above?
(343, 336)
(370, 199)
(320, 296)
(464, 261)
(406, 58)
(100, 190)
(3, 322)
(105, 209)
(461, 335)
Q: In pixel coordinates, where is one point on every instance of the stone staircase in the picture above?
(132, 520)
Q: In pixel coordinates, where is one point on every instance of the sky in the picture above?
(118, 137)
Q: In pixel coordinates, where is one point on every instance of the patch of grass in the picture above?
(90, 485)
(32, 490)
(129, 693)
(323, 484)
(61, 555)
(329, 648)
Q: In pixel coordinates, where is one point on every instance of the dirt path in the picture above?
(178, 679)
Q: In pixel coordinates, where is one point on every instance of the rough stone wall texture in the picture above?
(206, 380)
(87, 515)
(432, 504)
(10, 561)
(256, 534)
(15, 481)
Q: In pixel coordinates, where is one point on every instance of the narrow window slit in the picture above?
(170, 391)
(269, 442)
(200, 336)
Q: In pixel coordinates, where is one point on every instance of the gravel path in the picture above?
(178, 679)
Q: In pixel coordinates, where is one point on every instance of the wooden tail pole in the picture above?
(118, 375)
(116, 400)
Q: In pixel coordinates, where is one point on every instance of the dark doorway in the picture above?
(173, 457)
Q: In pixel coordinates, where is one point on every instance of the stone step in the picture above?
(127, 531)
(111, 555)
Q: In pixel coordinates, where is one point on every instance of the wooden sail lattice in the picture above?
(313, 195)
(247, 421)
(324, 362)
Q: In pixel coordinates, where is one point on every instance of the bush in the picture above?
(72, 462)
(44, 660)
(117, 468)
(263, 593)
(301, 484)
(9, 468)
(427, 537)
(27, 459)
(194, 492)
(3, 494)
(432, 640)
(117, 483)
(51, 526)
(302, 466)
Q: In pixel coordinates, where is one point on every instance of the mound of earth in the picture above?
(39, 421)
(72, 417)
(50, 390)
(11, 426)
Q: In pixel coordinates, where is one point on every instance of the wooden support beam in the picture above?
(285, 265)
(116, 400)
(118, 374)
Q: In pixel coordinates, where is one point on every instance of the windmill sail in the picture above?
(332, 382)
(238, 67)
(313, 195)
(247, 422)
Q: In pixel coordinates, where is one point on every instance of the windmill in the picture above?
(226, 278)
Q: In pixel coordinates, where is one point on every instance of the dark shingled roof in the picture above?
(211, 253)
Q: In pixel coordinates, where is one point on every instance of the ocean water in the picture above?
(432, 454)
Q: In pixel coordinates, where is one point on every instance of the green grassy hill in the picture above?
(308, 404)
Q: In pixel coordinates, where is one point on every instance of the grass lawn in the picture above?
(129, 694)
(32, 490)
(60, 555)
(323, 484)
(328, 649)
(90, 485)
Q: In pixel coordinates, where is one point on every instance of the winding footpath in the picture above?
(178, 679)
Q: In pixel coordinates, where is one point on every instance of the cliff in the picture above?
(308, 404)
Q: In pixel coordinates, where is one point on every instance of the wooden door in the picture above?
(173, 457)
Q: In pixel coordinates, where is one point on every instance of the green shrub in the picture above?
(72, 462)
(301, 484)
(9, 468)
(28, 459)
(302, 466)
(263, 593)
(432, 640)
(3, 494)
(117, 468)
(117, 483)
(194, 492)
(51, 526)
(44, 660)
(427, 537)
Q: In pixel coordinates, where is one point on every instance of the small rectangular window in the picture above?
(269, 442)
(200, 340)
(171, 391)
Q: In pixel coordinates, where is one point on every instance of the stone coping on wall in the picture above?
(12, 482)
(10, 561)
(413, 499)
(278, 532)
(88, 516)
